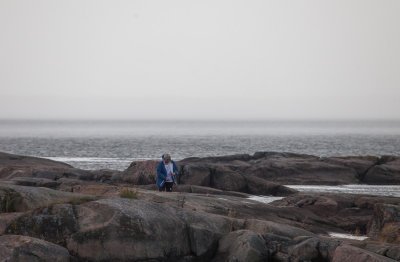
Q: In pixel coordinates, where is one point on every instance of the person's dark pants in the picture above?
(167, 187)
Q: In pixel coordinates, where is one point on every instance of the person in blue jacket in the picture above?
(166, 173)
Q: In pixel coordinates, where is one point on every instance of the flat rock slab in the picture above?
(24, 198)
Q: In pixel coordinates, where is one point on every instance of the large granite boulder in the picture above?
(12, 166)
(242, 246)
(11, 160)
(33, 171)
(282, 168)
(117, 229)
(290, 168)
(386, 172)
(351, 213)
(302, 169)
(361, 164)
(15, 248)
(138, 173)
(194, 174)
(124, 229)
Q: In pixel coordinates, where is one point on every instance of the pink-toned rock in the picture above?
(130, 230)
(242, 246)
(7, 219)
(195, 175)
(138, 173)
(385, 223)
(24, 198)
(15, 248)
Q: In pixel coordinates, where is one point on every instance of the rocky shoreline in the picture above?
(50, 211)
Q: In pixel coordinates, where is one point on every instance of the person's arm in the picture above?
(160, 173)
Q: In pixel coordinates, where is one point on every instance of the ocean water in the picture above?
(387, 190)
(115, 144)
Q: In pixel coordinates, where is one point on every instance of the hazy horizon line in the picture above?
(201, 119)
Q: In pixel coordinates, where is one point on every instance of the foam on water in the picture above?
(97, 162)
(92, 159)
(388, 190)
(265, 199)
(347, 236)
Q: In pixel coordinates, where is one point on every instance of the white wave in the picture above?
(378, 190)
(96, 159)
(265, 199)
(347, 236)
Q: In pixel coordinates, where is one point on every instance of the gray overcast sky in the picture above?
(200, 59)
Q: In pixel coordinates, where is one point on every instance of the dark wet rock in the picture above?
(22, 248)
(361, 164)
(385, 223)
(355, 254)
(386, 172)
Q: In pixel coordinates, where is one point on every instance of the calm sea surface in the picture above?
(114, 144)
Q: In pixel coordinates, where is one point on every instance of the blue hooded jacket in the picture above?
(162, 173)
